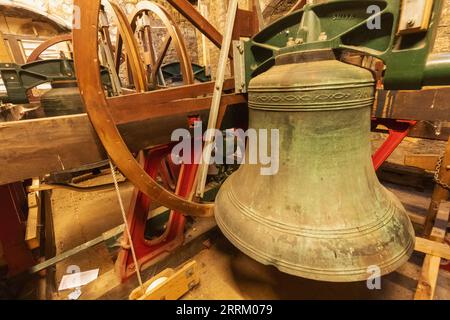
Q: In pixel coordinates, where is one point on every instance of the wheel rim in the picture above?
(85, 41)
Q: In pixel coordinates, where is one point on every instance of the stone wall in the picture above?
(60, 8)
(64, 8)
(442, 43)
(190, 34)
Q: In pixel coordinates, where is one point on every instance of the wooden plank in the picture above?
(32, 233)
(431, 265)
(245, 25)
(256, 6)
(42, 146)
(5, 54)
(441, 223)
(428, 279)
(16, 50)
(193, 106)
(437, 249)
(426, 130)
(140, 101)
(416, 218)
(429, 104)
(36, 147)
(174, 284)
(422, 161)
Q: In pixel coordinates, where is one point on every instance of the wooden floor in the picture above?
(225, 272)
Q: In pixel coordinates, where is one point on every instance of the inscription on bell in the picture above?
(299, 98)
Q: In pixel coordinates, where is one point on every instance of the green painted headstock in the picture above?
(367, 27)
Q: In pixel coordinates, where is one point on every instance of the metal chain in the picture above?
(437, 172)
(125, 220)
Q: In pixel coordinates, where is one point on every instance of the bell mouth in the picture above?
(305, 56)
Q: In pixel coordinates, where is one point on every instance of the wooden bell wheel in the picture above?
(127, 40)
(98, 107)
(140, 21)
(36, 54)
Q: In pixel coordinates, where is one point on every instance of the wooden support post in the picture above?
(440, 194)
(258, 13)
(430, 269)
(428, 279)
(5, 54)
(169, 284)
(33, 234)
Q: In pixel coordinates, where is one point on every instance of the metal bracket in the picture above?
(18, 79)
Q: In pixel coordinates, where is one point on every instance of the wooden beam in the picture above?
(5, 54)
(437, 249)
(441, 223)
(428, 279)
(416, 218)
(172, 284)
(129, 103)
(245, 25)
(194, 16)
(149, 110)
(431, 265)
(33, 148)
(426, 130)
(429, 104)
(32, 233)
(440, 193)
(422, 161)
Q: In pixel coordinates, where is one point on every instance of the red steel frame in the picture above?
(398, 131)
(149, 251)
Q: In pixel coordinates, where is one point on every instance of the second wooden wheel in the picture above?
(141, 24)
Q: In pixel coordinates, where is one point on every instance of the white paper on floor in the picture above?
(74, 295)
(76, 280)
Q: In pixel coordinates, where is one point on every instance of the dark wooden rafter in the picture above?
(193, 16)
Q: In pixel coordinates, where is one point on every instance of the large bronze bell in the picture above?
(324, 216)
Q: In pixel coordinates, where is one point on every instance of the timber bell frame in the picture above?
(98, 106)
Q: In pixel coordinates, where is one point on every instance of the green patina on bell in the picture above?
(324, 216)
